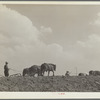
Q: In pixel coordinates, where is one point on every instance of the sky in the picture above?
(65, 35)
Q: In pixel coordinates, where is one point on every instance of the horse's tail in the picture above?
(23, 73)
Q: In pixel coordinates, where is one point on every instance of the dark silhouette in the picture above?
(67, 73)
(35, 69)
(82, 74)
(48, 67)
(31, 71)
(6, 69)
(26, 71)
(94, 73)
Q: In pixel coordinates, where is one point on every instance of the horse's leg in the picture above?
(53, 73)
(48, 73)
(43, 73)
(33, 75)
(38, 74)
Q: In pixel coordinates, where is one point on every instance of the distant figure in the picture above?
(67, 73)
(6, 69)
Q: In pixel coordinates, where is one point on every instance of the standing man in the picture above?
(6, 69)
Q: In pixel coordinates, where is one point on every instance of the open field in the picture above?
(48, 84)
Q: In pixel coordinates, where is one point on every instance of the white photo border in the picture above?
(50, 95)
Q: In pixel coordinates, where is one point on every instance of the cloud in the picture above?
(17, 35)
(17, 27)
(45, 29)
(90, 51)
(92, 41)
(96, 20)
(20, 44)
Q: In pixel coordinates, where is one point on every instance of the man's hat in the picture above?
(6, 62)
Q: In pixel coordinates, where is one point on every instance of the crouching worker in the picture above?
(67, 73)
(6, 69)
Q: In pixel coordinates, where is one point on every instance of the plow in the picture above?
(17, 74)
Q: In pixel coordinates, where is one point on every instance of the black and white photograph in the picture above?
(49, 48)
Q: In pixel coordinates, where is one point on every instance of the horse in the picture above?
(48, 67)
(31, 71)
(94, 73)
(82, 74)
(35, 69)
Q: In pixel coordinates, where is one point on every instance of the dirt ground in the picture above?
(51, 84)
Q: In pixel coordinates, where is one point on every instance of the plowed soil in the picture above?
(51, 84)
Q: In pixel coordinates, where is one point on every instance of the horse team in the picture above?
(47, 67)
(39, 70)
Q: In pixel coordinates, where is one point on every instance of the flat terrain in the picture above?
(48, 84)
